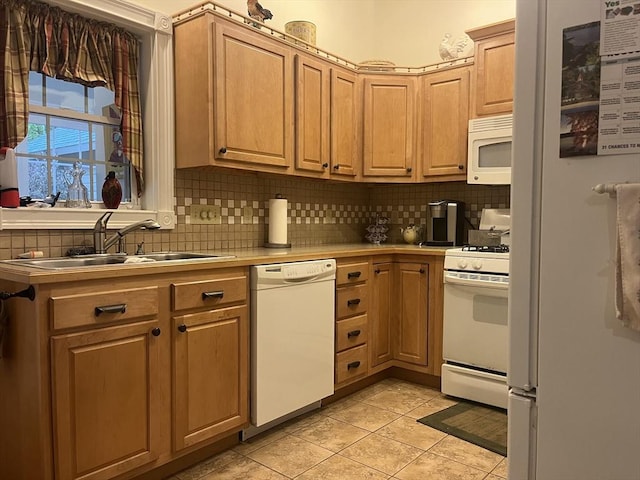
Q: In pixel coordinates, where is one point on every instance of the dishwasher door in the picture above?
(292, 337)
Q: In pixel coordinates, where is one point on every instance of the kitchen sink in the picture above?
(82, 261)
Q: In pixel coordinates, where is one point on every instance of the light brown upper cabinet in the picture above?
(234, 97)
(389, 128)
(346, 127)
(443, 132)
(312, 115)
(493, 72)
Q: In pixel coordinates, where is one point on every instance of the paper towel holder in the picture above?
(268, 244)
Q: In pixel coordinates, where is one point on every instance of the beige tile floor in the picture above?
(371, 434)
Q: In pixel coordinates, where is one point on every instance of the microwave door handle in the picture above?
(475, 283)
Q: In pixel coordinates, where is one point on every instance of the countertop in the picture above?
(243, 257)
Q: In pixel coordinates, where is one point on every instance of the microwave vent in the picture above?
(491, 123)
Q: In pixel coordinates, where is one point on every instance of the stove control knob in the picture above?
(477, 264)
(462, 264)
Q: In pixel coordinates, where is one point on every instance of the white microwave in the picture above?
(489, 150)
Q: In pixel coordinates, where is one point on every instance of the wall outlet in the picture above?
(329, 216)
(205, 215)
(247, 215)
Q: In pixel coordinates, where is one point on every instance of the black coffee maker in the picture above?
(445, 226)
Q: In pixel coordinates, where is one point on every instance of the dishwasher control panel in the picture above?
(315, 270)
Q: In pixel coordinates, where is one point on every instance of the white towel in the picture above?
(628, 255)
(9, 196)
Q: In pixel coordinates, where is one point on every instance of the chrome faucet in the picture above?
(100, 241)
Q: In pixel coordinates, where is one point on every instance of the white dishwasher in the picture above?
(292, 340)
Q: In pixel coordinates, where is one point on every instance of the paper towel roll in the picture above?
(278, 222)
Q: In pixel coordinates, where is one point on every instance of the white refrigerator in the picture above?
(574, 369)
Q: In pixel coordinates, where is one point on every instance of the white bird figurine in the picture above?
(449, 49)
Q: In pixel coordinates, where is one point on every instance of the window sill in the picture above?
(77, 218)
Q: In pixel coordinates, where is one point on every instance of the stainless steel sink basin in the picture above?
(114, 259)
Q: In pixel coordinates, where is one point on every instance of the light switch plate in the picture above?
(205, 215)
(247, 215)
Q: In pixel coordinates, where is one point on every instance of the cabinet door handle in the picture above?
(355, 301)
(206, 295)
(421, 270)
(355, 364)
(353, 333)
(376, 271)
(121, 308)
(409, 169)
(182, 328)
(354, 274)
(336, 166)
(460, 167)
(223, 150)
(325, 165)
(156, 332)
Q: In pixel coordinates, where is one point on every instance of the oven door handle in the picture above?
(475, 283)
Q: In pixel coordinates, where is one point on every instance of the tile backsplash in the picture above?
(320, 212)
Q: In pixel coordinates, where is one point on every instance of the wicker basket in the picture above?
(305, 31)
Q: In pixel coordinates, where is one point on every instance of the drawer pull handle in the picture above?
(354, 274)
(206, 295)
(355, 364)
(355, 301)
(156, 332)
(182, 328)
(353, 333)
(121, 308)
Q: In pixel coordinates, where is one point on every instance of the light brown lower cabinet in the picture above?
(106, 409)
(100, 382)
(380, 332)
(411, 312)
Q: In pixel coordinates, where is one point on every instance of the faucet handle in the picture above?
(140, 249)
(101, 223)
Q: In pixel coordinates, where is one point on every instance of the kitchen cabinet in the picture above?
(234, 97)
(346, 125)
(352, 324)
(389, 127)
(445, 117)
(327, 125)
(210, 358)
(381, 332)
(494, 68)
(411, 312)
(312, 115)
(102, 381)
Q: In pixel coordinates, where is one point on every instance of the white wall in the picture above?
(406, 32)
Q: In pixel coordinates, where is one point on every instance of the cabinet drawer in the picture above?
(209, 293)
(352, 273)
(351, 301)
(351, 364)
(351, 332)
(104, 307)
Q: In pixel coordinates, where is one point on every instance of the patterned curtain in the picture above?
(37, 37)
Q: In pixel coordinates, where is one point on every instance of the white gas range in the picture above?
(475, 336)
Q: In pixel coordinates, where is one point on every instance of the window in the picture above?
(69, 123)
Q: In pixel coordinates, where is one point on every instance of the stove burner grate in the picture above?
(484, 248)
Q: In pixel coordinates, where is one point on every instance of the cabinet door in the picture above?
(105, 400)
(254, 99)
(380, 343)
(345, 125)
(312, 115)
(492, 82)
(389, 127)
(445, 124)
(411, 310)
(210, 374)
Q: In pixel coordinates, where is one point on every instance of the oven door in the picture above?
(475, 320)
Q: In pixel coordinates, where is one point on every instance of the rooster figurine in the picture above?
(258, 12)
(449, 49)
